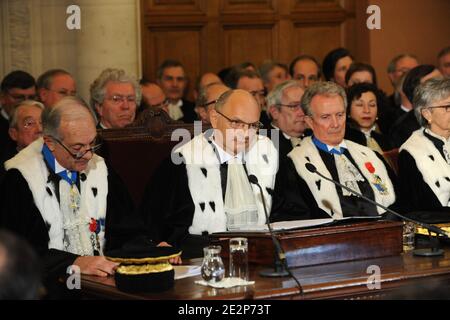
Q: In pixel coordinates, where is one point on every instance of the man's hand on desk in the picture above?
(176, 260)
(96, 265)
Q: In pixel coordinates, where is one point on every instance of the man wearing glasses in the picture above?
(204, 187)
(288, 119)
(115, 96)
(207, 98)
(55, 84)
(61, 196)
(16, 87)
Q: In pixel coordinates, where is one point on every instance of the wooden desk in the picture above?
(330, 281)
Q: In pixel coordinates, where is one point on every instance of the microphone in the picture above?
(312, 168)
(281, 268)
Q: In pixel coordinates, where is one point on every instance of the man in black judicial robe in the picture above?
(300, 194)
(34, 184)
(184, 201)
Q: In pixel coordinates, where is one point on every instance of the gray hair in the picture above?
(15, 112)
(393, 63)
(274, 97)
(427, 93)
(98, 87)
(67, 109)
(326, 88)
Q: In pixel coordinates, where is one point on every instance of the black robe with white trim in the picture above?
(19, 214)
(424, 175)
(298, 191)
(183, 202)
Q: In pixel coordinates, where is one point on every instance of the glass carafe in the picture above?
(213, 269)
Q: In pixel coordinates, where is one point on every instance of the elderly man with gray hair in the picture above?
(115, 96)
(288, 119)
(304, 194)
(424, 159)
(61, 197)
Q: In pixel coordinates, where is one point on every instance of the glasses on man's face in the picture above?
(79, 154)
(209, 103)
(118, 99)
(160, 105)
(259, 93)
(29, 124)
(293, 106)
(446, 107)
(238, 124)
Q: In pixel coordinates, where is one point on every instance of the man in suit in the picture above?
(55, 84)
(16, 86)
(305, 69)
(115, 96)
(172, 79)
(288, 119)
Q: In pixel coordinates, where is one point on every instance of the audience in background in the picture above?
(272, 74)
(53, 85)
(172, 79)
(397, 68)
(16, 87)
(335, 65)
(115, 97)
(407, 123)
(444, 62)
(305, 69)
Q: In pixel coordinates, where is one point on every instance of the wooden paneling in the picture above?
(306, 41)
(208, 35)
(253, 43)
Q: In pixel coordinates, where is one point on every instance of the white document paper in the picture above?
(186, 271)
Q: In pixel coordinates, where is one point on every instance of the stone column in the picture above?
(109, 38)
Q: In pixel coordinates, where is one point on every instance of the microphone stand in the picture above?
(281, 268)
(433, 251)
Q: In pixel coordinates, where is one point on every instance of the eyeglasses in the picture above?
(293, 106)
(446, 107)
(30, 124)
(210, 103)
(160, 105)
(237, 124)
(260, 93)
(118, 99)
(80, 154)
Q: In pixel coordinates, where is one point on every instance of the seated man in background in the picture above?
(61, 197)
(24, 128)
(204, 186)
(305, 69)
(172, 79)
(16, 87)
(115, 96)
(287, 116)
(55, 84)
(273, 73)
(153, 97)
(303, 194)
(207, 98)
(444, 62)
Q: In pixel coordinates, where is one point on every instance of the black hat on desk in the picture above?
(144, 267)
